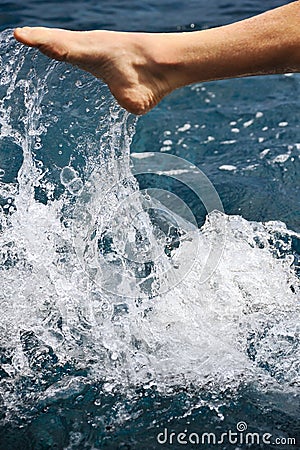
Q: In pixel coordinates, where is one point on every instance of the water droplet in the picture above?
(114, 356)
(67, 175)
(75, 186)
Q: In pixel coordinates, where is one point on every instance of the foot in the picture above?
(125, 61)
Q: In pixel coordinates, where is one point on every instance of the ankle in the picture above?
(162, 56)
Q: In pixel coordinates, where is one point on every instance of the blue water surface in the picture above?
(244, 135)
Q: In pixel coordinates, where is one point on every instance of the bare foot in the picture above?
(125, 61)
(141, 68)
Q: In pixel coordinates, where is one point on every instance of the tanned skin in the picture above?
(142, 68)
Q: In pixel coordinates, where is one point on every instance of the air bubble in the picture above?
(67, 175)
(75, 186)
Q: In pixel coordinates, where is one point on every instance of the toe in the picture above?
(48, 41)
(31, 36)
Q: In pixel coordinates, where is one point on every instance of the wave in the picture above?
(101, 281)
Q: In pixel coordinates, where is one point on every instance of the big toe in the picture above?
(52, 42)
(32, 36)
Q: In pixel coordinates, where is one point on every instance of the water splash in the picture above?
(59, 329)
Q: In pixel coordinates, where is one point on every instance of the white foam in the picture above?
(185, 127)
(228, 167)
(59, 261)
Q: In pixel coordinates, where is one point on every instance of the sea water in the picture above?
(118, 314)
